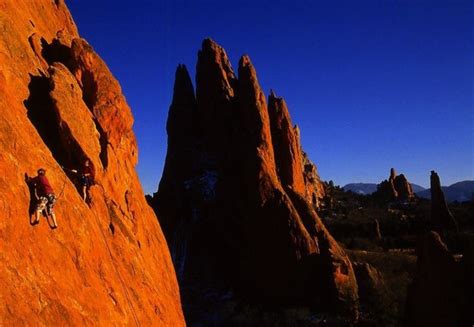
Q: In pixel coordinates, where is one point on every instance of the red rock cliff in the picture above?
(108, 262)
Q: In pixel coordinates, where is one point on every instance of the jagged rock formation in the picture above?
(440, 290)
(315, 188)
(294, 167)
(370, 282)
(108, 262)
(377, 233)
(237, 198)
(286, 145)
(441, 218)
(396, 187)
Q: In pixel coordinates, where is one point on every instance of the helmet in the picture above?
(41, 171)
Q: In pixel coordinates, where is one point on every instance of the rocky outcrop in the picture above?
(441, 218)
(370, 282)
(436, 295)
(315, 188)
(441, 294)
(236, 196)
(179, 158)
(467, 266)
(108, 262)
(377, 234)
(294, 168)
(288, 154)
(395, 188)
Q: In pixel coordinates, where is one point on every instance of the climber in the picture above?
(86, 177)
(45, 195)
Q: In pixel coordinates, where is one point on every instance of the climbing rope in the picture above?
(63, 187)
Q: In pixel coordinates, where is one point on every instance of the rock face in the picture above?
(294, 168)
(108, 262)
(315, 188)
(286, 144)
(376, 232)
(370, 282)
(437, 294)
(237, 195)
(396, 187)
(442, 292)
(441, 218)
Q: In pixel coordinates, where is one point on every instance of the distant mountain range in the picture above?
(417, 188)
(460, 191)
(369, 188)
(361, 188)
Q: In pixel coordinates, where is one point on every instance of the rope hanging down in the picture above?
(62, 188)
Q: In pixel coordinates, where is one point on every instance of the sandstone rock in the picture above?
(403, 187)
(315, 188)
(332, 276)
(108, 262)
(270, 265)
(396, 187)
(215, 91)
(173, 198)
(370, 282)
(288, 155)
(467, 266)
(260, 167)
(76, 127)
(393, 174)
(441, 217)
(294, 168)
(244, 220)
(98, 84)
(377, 233)
(435, 297)
(441, 294)
(180, 138)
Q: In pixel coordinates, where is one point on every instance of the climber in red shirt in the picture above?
(45, 195)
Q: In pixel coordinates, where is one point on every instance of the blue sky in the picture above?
(372, 84)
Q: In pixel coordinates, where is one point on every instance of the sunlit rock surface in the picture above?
(108, 262)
